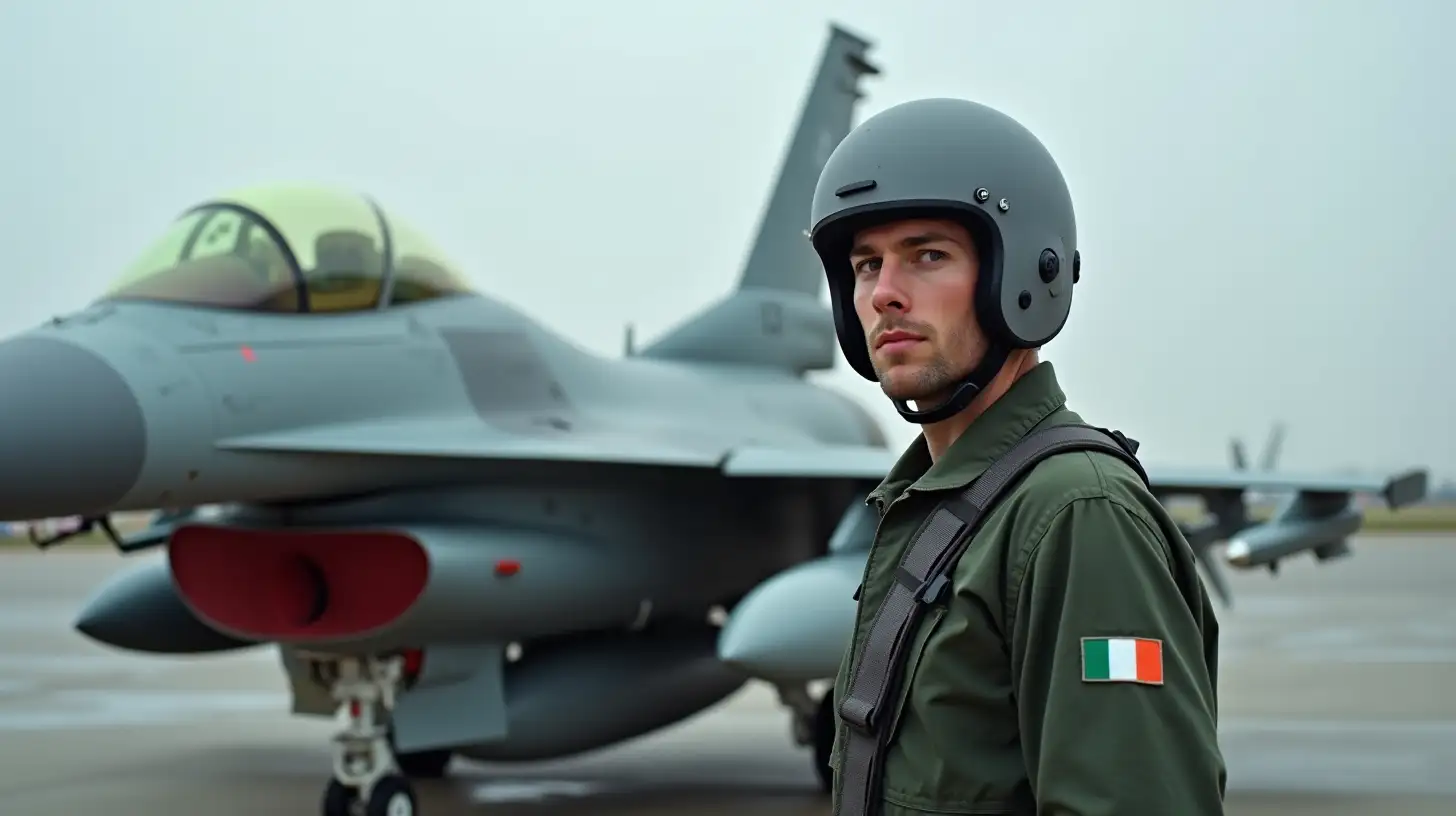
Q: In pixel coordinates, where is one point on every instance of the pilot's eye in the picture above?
(932, 256)
(867, 266)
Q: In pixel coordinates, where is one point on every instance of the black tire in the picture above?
(338, 799)
(824, 725)
(392, 796)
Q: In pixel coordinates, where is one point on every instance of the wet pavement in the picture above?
(1336, 694)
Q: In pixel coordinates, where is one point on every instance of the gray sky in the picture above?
(1266, 191)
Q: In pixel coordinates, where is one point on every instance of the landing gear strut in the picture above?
(367, 779)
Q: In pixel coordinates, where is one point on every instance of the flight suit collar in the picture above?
(1031, 399)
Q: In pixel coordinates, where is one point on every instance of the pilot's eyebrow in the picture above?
(912, 241)
(924, 238)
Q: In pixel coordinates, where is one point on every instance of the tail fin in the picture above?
(775, 318)
(781, 258)
(1270, 460)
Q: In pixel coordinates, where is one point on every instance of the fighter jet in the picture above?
(464, 534)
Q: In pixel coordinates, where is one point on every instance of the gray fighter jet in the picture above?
(464, 534)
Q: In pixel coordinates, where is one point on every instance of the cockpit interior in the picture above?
(289, 250)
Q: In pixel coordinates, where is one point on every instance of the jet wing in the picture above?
(1317, 518)
(448, 438)
(871, 464)
(823, 462)
(1398, 491)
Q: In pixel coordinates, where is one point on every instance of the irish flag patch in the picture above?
(1122, 660)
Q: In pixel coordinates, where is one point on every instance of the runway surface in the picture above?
(1332, 703)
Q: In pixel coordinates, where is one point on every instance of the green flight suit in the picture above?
(995, 716)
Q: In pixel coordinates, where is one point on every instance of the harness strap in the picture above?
(921, 581)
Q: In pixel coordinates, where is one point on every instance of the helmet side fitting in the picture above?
(955, 159)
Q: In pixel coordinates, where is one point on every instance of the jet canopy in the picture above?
(289, 249)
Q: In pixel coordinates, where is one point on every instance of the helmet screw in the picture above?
(1003, 205)
(1076, 265)
(982, 194)
(1024, 301)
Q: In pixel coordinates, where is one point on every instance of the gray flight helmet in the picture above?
(953, 158)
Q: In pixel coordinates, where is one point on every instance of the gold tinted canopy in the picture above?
(290, 248)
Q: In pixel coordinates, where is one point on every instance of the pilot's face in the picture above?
(914, 287)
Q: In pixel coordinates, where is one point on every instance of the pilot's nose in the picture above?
(72, 436)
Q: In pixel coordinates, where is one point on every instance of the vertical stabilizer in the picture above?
(1272, 447)
(781, 257)
(775, 319)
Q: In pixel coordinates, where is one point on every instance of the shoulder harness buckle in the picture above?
(929, 592)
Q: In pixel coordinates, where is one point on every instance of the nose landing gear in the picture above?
(367, 778)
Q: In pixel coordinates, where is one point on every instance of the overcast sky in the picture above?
(1266, 191)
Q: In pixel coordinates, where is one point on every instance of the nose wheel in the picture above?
(367, 778)
(390, 796)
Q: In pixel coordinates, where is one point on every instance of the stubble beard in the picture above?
(927, 385)
(930, 384)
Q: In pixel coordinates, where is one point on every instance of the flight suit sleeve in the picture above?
(1117, 707)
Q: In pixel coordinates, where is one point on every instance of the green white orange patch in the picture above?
(1122, 660)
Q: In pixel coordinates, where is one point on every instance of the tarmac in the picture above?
(1336, 698)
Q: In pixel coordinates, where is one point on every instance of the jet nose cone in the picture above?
(72, 436)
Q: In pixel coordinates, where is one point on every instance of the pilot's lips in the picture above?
(72, 436)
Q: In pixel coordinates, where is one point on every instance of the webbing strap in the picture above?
(922, 578)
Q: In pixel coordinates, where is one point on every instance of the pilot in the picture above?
(1068, 663)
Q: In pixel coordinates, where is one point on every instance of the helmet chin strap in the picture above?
(969, 387)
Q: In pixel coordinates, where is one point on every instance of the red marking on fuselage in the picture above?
(506, 567)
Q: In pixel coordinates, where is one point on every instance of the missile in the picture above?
(380, 588)
(795, 626)
(140, 610)
(1266, 544)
